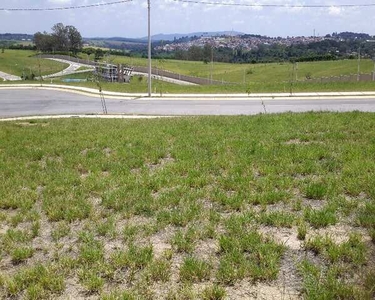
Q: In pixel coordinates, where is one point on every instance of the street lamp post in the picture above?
(149, 47)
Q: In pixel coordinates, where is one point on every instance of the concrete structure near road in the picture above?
(114, 73)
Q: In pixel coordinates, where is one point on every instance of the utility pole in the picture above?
(149, 47)
(359, 62)
(212, 61)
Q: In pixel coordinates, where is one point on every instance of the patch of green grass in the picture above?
(185, 241)
(273, 72)
(20, 254)
(165, 184)
(194, 270)
(16, 62)
(366, 215)
(301, 231)
(351, 251)
(328, 284)
(277, 219)
(107, 227)
(160, 270)
(180, 216)
(61, 230)
(91, 281)
(316, 190)
(372, 234)
(245, 253)
(91, 250)
(213, 292)
(134, 258)
(39, 281)
(319, 218)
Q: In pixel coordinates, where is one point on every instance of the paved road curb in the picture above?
(129, 96)
(90, 116)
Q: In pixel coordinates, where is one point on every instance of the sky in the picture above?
(168, 16)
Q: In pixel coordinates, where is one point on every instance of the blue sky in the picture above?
(168, 16)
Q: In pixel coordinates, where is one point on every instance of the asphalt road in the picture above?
(30, 102)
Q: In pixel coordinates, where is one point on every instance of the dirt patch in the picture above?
(206, 249)
(74, 291)
(297, 142)
(107, 151)
(261, 291)
(160, 243)
(285, 236)
(161, 163)
(339, 233)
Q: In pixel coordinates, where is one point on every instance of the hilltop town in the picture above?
(251, 41)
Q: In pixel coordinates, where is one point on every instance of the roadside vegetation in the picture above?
(19, 62)
(240, 78)
(272, 206)
(255, 73)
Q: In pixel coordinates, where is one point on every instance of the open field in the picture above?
(263, 207)
(17, 61)
(258, 78)
(139, 85)
(257, 73)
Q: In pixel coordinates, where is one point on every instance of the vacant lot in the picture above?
(16, 62)
(255, 73)
(264, 207)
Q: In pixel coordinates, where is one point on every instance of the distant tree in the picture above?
(195, 53)
(207, 53)
(75, 39)
(88, 50)
(99, 53)
(63, 38)
(44, 42)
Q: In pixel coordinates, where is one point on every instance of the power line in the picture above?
(276, 5)
(66, 7)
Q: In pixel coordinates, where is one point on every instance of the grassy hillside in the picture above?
(17, 61)
(275, 72)
(189, 208)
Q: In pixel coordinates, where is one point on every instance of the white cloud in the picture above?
(335, 11)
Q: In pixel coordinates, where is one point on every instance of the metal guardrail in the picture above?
(155, 71)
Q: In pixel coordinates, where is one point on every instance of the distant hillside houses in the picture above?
(252, 42)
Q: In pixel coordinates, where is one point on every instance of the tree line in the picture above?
(62, 39)
(316, 51)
